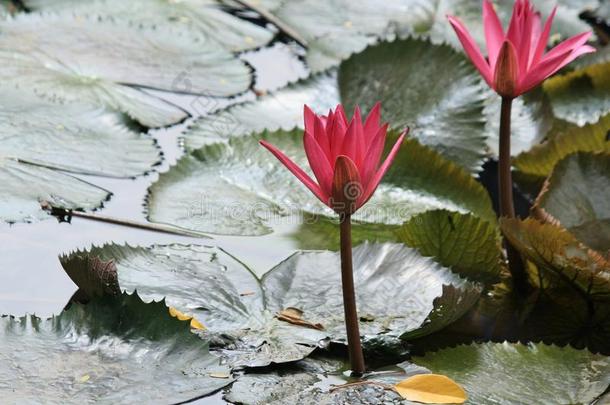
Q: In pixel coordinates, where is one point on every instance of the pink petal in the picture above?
(309, 118)
(575, 54)
(541, 71)
(523, 52)
(544, 38)
(370, 188)
(320, 166)
(360, 141)
(515, 25)
(569, 44)
(297, 171)
(337, 134)
(494, 34)
(472, 50)
(535, 36)
(373, 155)
(321, 135)
(371, 125)
(350, 141)
(341, 112)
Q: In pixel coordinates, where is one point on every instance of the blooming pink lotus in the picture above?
(516, 61)
(344, 157)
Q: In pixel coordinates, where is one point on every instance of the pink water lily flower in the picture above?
(343, 155)
(516, 61)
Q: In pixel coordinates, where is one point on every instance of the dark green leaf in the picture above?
(430, 88)
(577, 196)
(464, 243)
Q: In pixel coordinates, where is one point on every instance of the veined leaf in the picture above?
(398, 292)
(505, 373)
(279, 110)
(577, 196)
(38, 138)
(114, 349)
(239, 188)
(556, 252)
(112, 61)
(202, 18)
(582, 96)
(464, 243)
(541, 160)
(430, 88)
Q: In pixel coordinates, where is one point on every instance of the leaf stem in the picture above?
(66, 214)
(505, 186)
(349, 297)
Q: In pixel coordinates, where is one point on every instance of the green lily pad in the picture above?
(397, 289)
(39, 138)
(112, 62)
(430, 88)
(282, 109)
(494, 373)
(204, 18)
(581, 96)
(560, 256)
(115, 350)
(238, 188)
(466, 244)
(541, 159)
(577, 196)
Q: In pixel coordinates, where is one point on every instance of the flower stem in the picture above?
(505, 185)
(354, 346)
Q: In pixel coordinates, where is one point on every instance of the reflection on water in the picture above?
(31, 277)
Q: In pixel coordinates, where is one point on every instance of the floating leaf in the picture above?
(577, 196)
(238, 188)
(336, 29)
(560, 255)
(279, 110)
(504, 373)
(115, 349)
(204, 18)
(541, 160)
(23, 186)
(112, 61)
(582, 96)
(430, 88)
(37, 137)
(398, 290)
(464, 243)
(431, 389)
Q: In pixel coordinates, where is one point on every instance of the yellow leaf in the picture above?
(431, 389)
(195, 324)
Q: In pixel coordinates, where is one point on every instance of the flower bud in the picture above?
(507, 71)
(347, 187)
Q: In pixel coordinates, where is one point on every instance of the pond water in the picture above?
(31, 277)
